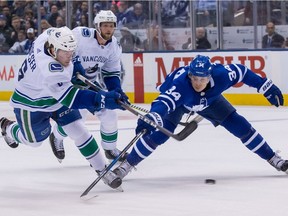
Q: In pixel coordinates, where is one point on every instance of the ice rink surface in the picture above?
(170, 182)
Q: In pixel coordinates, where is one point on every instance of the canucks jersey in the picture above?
(42, 83)
(92, 54)
(177, 89)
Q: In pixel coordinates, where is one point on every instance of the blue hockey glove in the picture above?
(143, 125)
(124, 98)
(272, 93)
(78, 68)
(108, 100)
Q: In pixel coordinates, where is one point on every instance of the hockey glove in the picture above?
(141, 124)
(124, 98)
(272, 93)
(77, 68)
(108, 100)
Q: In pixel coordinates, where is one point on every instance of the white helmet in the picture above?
(62, 38)
(105, 16)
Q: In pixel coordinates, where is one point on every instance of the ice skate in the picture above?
(111, 179)
(112, 154)
(57, 147)
(123, 169)
(4, 122)
(279, 164)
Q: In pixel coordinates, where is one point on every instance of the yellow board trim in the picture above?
(235, 99)
(5, 96)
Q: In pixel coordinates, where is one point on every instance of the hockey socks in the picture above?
(256, 143)
(143, 148)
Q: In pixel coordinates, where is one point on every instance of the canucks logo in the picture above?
(55, 67)
(58, 34)
(86, 32)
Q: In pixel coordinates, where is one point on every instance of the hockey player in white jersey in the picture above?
(43, 90)
(97, 56)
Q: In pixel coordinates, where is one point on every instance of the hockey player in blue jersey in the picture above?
(198, 88)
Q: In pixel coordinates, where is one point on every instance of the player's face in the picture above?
(64, 57)
(107, 30)
(199, 83)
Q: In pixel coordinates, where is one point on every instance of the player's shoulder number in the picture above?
(231, 74)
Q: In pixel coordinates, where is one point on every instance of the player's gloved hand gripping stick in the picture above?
(183, 134)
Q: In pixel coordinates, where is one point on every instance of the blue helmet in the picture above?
(200, 66)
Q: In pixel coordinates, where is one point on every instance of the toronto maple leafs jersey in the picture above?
(92, 54)
(177, 89)
(42, 83)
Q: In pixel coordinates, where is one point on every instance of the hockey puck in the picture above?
(210, 181)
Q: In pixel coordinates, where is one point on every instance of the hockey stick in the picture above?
(196, 118)
(97, 88)
(189, 128)
(113, 162)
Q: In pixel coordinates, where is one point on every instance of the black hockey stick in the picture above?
(113, 163)
(183, 134)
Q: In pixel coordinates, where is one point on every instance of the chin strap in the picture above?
(53, 56)
(99, 34)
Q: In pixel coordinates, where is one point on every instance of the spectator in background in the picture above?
(29, 24)
(30, 39)
(5, 35)
(124, 13)
(83, 10)
(18, 8)
(29, 15)
(44, 25)
(129, 42)
(84, 20)
(96, 8)
(186, 44)
(114, 8)
(30, 5)
(3, 4)
(201, 39)
(175, 13)
(43, 13)
(61, 5)
(153, 41)
(136, 18)
(7, 12)
(272, 39)
(207, 10)
(53, 15)
(261, 13)
(18, 46)
(17, 26)
(60, 22)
